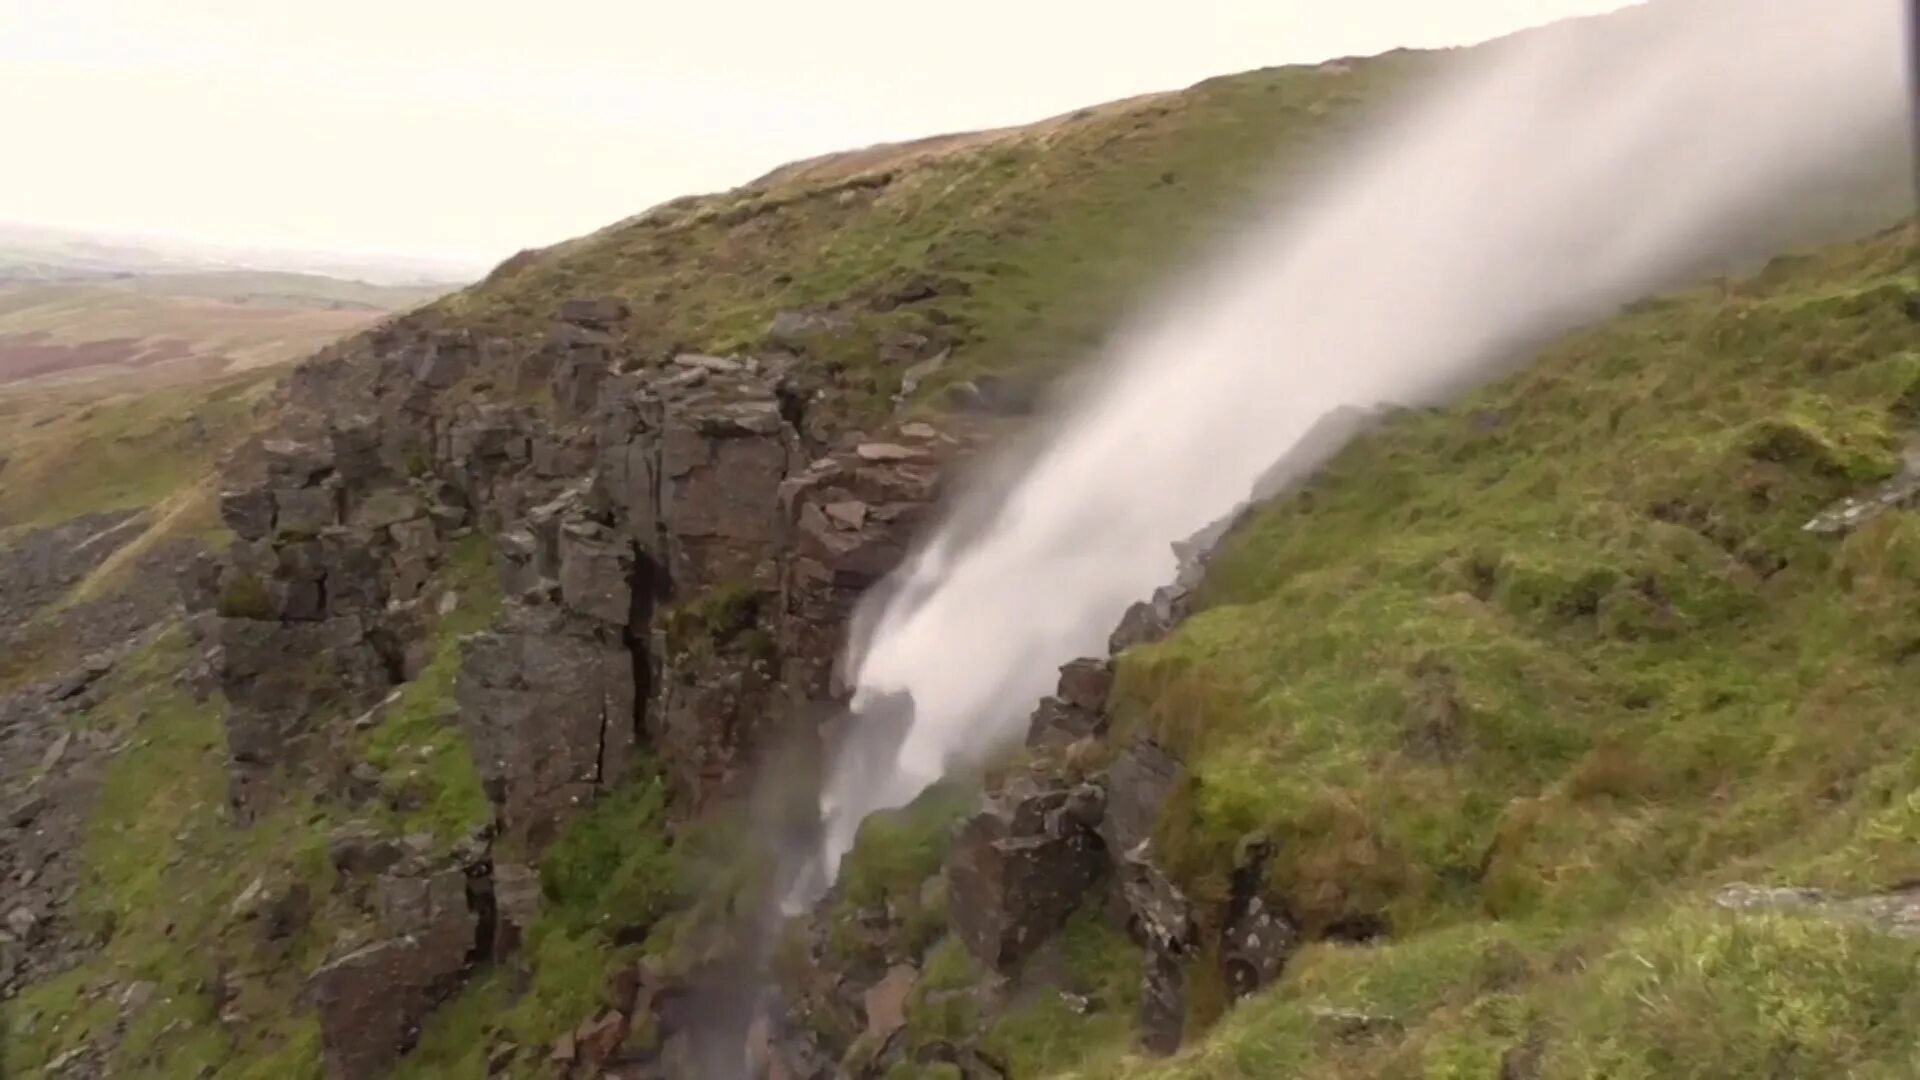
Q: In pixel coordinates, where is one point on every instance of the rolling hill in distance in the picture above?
(74, 306)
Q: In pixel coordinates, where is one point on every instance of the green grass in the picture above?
(1045, 1036)
(1689, 992)
(164, 864)
(725, 614)
(612, 875)
(1035, 242)
(1523, 685)
(162, 868)
(1019, 251)
(612, 869)
(419, 747)
(893, 857)
(74, 453)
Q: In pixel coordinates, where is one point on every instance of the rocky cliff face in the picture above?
(680, 549)
(679, 556)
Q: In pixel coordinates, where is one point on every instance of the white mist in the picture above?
(1557, 173)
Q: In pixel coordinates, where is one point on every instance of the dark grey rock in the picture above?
(1017, 870)
(248, 512)
(1138, 783)
(305, 511)
(596, 572)
(593, 312)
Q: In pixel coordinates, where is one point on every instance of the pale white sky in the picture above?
(468, 129)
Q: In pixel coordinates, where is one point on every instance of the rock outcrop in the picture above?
(681, 549)
(1046, 840)
(1021, 866)
(373, 999)
(679, 564)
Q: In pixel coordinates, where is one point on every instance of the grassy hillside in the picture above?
(1525, 680)
(1015, 250)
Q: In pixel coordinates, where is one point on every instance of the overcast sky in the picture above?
(468, 129)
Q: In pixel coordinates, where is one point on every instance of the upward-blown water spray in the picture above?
(1556, 174)
(1913, 106)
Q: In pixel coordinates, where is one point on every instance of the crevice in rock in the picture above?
(1258, 937)
(391, 654)
(600, 752)
(481, 902)
(792, 403)
(645, 591)
(1359, 929)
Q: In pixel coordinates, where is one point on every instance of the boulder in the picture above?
(1138, 783)
(577, 376)
(713, 708)
(295, 600)
(1254, 947)
(722, 458)
(1078, 709)
(383, 507)
(596, 572)
(562, 457)
(598, 1039)
(362, 854)
(440, 365)
(282, 680)
(515, 553)
(1257, 937)
(300, 560)
(356, 449)
(794, 328)
(913, 377)
(296, 464)
(548, 706)
(248, 512)
(516, 898)
(875, 451)
(486, 437)
(200, 582)
(350, 563)
(1019, 868)
(1085, 683)
(886, 1002)
(305, 511)
(598, 313)
(1162, 915)
(717, 365)
(994, 395)
(833, 557)
(1057, 725)
(373, 1000)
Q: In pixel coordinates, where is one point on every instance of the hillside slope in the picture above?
(1524, 683)
(461, 759)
